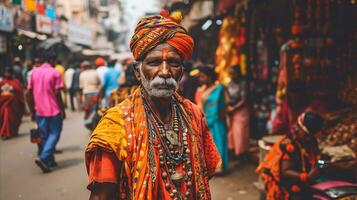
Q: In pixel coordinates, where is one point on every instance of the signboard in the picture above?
(29, 5)
(41, 7)
(80, 34)
(6, 19)
(43, 24)
(16, 2)
(24, 20)
(51, 13)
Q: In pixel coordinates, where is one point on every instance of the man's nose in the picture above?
(164, 70)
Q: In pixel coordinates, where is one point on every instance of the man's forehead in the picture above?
(157, 51)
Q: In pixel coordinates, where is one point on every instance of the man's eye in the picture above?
(154, 63)
(174, 63)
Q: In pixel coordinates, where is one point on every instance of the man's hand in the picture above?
(63, 114)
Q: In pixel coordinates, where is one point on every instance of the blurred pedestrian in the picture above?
(210, 97)
(188, 84)
(36, 63)
(47, 107)
(102, 68)
(68, 78)
(28, 65)
(291, 167)
(18, 70)
(238, 110)
(75, 89)
(61, 69)
(12, 104)
(110, 81)
(127, 87)
(90, 86)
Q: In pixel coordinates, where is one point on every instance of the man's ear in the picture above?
(136, 66)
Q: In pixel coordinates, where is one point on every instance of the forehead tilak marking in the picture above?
(165, 53)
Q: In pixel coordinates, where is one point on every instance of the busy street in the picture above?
(21, 179)
(178, 99)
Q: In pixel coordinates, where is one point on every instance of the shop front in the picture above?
(299, 54)
(6, 31)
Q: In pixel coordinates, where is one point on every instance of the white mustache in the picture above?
(157, 81)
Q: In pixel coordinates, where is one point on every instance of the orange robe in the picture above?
(122, 137)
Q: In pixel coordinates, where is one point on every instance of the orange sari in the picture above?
(123, 132)
(286, 148)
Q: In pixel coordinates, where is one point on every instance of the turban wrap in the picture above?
(154, 30)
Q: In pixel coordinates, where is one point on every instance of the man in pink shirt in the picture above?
(46, 105)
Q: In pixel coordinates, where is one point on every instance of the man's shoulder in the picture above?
(120, 110)
(53, 72)
(192, 109)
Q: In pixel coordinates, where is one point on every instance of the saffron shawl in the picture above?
(124, 131)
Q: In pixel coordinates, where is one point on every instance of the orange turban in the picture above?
(154, 30)
(99, 62)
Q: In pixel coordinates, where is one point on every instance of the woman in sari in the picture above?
(11, 104)
(290, 167)
(238, 110)
(210, 97)
(90, 86)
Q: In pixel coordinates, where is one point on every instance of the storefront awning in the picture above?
(73, 47)
(50, 42)
(101, 52)
(57, 41)
(31, 34)
(122, 56)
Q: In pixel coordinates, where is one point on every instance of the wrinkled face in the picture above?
(160, 71)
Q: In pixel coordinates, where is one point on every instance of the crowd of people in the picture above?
(42, 89)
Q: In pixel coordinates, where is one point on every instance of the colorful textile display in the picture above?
(227, 54)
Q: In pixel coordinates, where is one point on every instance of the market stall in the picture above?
(311, 41)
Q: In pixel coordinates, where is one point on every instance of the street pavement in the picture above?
(20, 178)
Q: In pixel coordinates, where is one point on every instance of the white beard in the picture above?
(151, 86)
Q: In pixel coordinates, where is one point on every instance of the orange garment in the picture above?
(103, 168)
(286, 148)
(123, 131)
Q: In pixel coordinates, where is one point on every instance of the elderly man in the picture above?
(155, 144)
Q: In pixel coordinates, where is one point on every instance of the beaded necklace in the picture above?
(173, 151)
